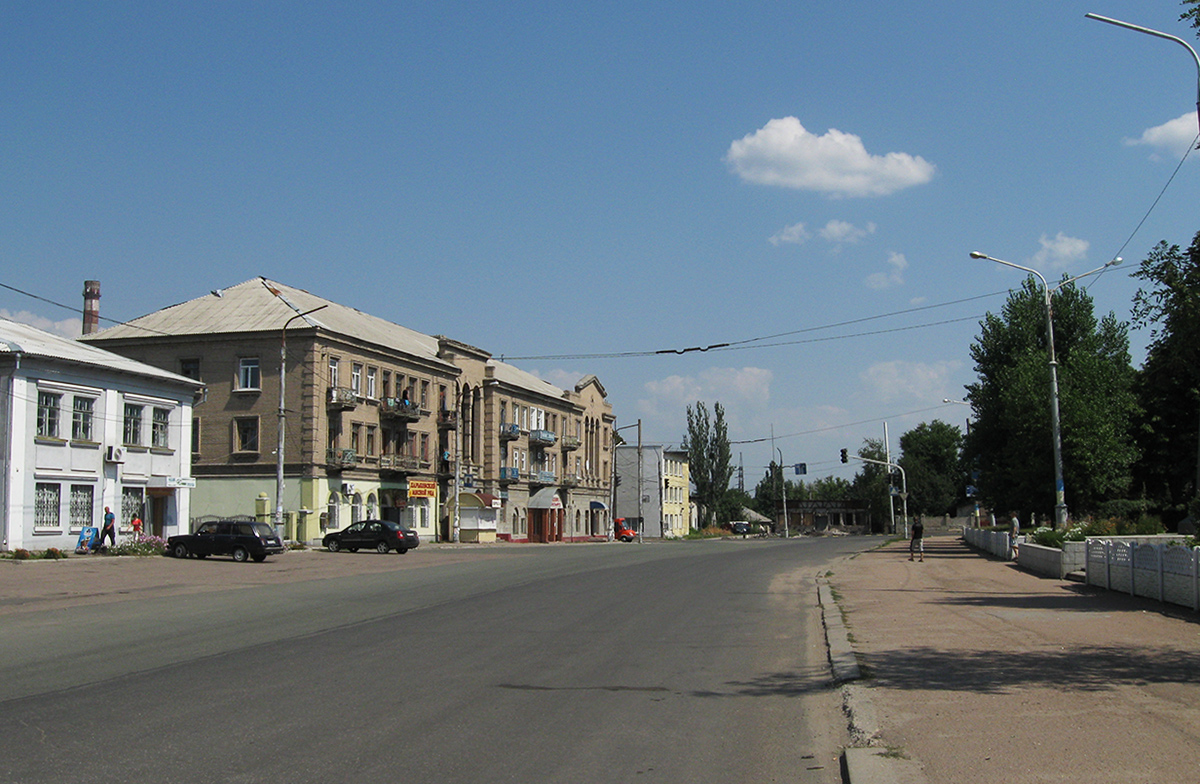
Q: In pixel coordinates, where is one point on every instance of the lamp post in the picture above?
(1060, 496)
(783, 493)
(1158, 34)
(616, 430)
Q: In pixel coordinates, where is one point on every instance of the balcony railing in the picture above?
(509, 431)
(337, 459)
(570, 443)
(541, 478)
(399, 408)
(510, 475)
(398, 463)
(342, 398)
(542, 437)
(447, 419)
(570, 480)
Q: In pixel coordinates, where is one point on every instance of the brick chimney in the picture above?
(91, 306)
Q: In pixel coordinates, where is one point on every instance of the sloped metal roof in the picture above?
(514, 376)
(17, 338)
(253, 307)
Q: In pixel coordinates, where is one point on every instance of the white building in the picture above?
(81, 429)
(666, 508)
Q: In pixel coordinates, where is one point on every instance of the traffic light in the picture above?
(845, 457)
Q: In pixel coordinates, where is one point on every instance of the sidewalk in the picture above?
(978, 672)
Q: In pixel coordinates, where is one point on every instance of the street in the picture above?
(688, 661)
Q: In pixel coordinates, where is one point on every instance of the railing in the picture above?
(338, 459)
(399, 408)
(341, 397)
(541, 477)
(447, 419)
(510, 475)
(509, 431)
(542, 437)
(398, 463)
(570, 443)
(570, 480)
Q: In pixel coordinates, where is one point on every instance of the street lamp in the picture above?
(616, 430)
(783, 492)
(1167, 36)
(1060, 502)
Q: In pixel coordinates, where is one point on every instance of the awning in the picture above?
(546, 498)
(478, 500)
(597, 505)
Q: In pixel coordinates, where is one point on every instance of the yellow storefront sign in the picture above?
(421, 488)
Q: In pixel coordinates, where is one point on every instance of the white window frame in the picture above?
(49, 413)
(249, 374)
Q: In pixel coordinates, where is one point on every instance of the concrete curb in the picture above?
(865, 761)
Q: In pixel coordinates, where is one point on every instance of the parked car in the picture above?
(379, 535)
(740, 527)
(242, 540)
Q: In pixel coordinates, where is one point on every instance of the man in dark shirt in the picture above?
(917, 545)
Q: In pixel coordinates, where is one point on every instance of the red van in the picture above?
(623, 530)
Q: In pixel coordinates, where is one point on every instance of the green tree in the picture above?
(710, 459)
(1168, 385)
(1192, 16)
(932, 462)
(1010, 440)
(872, 484)
(831, 488)
(766, 492)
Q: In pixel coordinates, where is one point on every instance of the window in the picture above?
(356, 438)
(45, 505)
(246, 434)
(160, 428)
(387, 383)
(82, 506)
(371, 390)
(424, 446)
(131, 504)
(131, 432)
(190, 368)
(82, 416)
(195, 435)
(333, 371)
(248, 377)
(47, 414)
(370, 440)
(425, 394)
(503, 412)
(356, 378)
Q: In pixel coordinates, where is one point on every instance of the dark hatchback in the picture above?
(241, 540)
(379, 535)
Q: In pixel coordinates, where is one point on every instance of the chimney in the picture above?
(91, 306)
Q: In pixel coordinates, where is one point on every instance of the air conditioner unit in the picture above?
(114, 454)
(348, 488)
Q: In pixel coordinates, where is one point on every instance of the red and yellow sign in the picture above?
(422, 488)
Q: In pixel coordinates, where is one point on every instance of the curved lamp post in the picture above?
(1060, 495)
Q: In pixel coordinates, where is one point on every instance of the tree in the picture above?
(1168, 385)
(1192, 15)
(710, 460)
(934, 467)
(873, 484)
(1010, 441)
(767, 495)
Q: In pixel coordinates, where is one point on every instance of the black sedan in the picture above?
(379, 535)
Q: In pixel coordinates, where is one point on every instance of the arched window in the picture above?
(372, 507)
(356, 508)
(333, 505)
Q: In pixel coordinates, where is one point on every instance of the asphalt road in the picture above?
(672, 662)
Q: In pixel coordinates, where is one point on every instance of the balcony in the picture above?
(341, 398)
(338, 459)
(447, 419)
(542, 437)
(541, 478)
(509, 475)
(570, 443)
(446, 467)
(509, 432)
(398, 463)
(570, 480)
(399, 409)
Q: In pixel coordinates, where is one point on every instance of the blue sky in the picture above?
(573, 180)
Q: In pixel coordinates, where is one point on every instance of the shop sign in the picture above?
(421, 488)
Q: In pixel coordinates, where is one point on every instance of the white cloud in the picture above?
(1173, 136)
(67, 328)
(795, 234)
(918, 381)
(1061, 251)
(893, 277)
(747, 385)
(563, 379)
(842, 232)
(783, 153)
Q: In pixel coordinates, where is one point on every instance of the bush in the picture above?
(20, 554)
(1048, 537)
(140, 546)
(53, 554)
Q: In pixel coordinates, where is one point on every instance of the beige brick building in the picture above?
(378, 421)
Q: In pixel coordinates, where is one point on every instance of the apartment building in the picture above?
(665, 509)
(82, 429)
(378, 420)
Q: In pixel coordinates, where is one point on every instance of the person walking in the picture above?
(917, 543)
(109, 529)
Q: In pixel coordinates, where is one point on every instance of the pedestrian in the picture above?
(1013, 533)
(109, 529)
(136, 525)
(917, 543)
